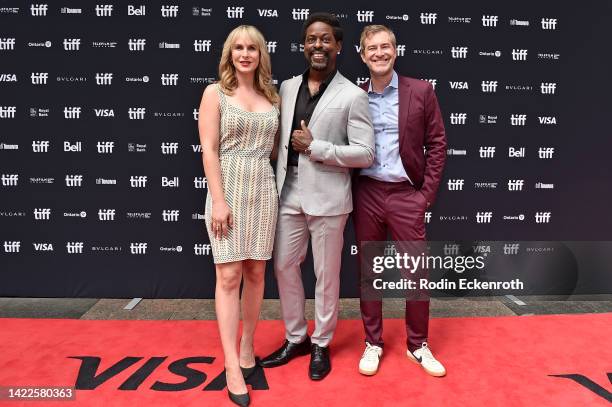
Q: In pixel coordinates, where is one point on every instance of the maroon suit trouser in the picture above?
(399, 208)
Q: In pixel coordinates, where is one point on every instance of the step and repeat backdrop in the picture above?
(101, 181)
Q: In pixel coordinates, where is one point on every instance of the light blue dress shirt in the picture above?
(384, 109)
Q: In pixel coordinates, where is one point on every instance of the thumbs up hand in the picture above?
(301, 139)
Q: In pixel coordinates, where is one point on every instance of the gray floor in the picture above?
(190, 309)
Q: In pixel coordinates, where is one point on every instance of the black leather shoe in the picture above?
(239, 399)
(285, 353)
(320, 364)
(247, 371)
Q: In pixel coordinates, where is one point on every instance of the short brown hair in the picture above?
(369, 30)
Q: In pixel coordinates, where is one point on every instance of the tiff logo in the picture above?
(196, 114)
(169, 79)
(137, 113)
(137, 44)
(365, 16)
(518, 119)
(169, 148)
(427, 217)
(104, 79)
(546, 152)
(511, 248)
(429, 18)
(515, 184)
(72, 44)
(459, 52)
(235, 12)
(7, 44)
(401, 50)
(486, 152)
(9, 180)
(72, 112)
(489, 86)
(519, 54)
(542, 217)
(7, 112)
(39, 78)
(489, 21)
(300, 13)
(169, 11)
(106, 214)
(451, 249)
(271, 47)
(201, 45)
(40, 146)
(484, 217)
(458, 118)
(105, 147)
(74, 247)
(548, 88)
(12, 246)
(549, 23)
(104, 10)
(42, 213)
(139, 181)
(361, 80)
(138, 248)
(199, 182)
(432, 81)
(39, 10)
(455, 184)
(201, 249)
(74, 180)
(170, 215)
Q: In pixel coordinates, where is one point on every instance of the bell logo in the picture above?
(267, 12)
(511, 248)
(489, 21)
(7, 112)
(519, 54)
(458, 85)
(139, 181)
(12, 246)
(235, 12)
(137, 44)
(105, 147)
(133, 11)
(74, 247)
(489, 86)
(169, 11)
(459, 52)
(547, 119)
(39, 78)
(546, 152)
(432, 81)
(300, 13)
(40, 146)
(104, 79)
(515, 184)
(72, 44)
(201, 249)
(427, 217)
(518, 119)
(365, 16)
(169, 79)
(138, 248)
(548, 88)
(486, 152)
(516, 152)
(9, 180)
(106, 214)
(458, 118)
(542, 217)
(429, 18)
(484, 217)
(455, 184)
(201, 45)
(199, 182)
(73, 112)
(42, 214)
(549, 23)
(7, 44)
(170, 215)
(170, 183)
(271, 47)
(39, 10)
(104, 10)
(169, 148)
(74, 180)
(137, 113)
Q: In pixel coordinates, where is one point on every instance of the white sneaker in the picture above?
(425, 358)
(368, 365)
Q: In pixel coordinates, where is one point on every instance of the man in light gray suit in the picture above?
(325, 131)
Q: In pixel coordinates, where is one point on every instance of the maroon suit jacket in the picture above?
(422, 138)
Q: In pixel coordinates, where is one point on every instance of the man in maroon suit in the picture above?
(397, 189)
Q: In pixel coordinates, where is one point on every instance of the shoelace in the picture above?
(370, 354)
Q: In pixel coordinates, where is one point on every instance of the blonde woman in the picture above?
(238, 123)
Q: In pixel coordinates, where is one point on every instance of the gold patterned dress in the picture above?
(246, 140)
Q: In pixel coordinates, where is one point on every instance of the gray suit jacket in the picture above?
(343, 139)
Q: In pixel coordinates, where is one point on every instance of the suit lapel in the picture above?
(288, 107)
(405, 97)
(330, 93)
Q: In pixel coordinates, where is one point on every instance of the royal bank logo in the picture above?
(201, 11)
(547, 120)
(515, 184)
(8, 112)
(455, 184)
(105, 113)
(42, 213)
(138, 248)
(7, 44)
(106, 181)
(202, 45)
(39, 10)
(519, 23)
(511, 248)
(170, 215)
(234, 12)
(300, 14)
(459, 52)
(542, 217)
(74, 247)
(106, 215)
(5, 147)
(72, 44)
(514, 152)
(489, 21)
(456, 152)
(72, 112)
(458, 85)
(541, 185)
(267, 12)
(488, 86)
(200, 183)
(486, 152)
(365, 16)
(169, 79)
(549, 23)
(169, 45)
(40, 146)
(429, 18)
(458, 118)
(200, 249)
(136, 11)
(74, 180)
(105, 147)
(12, 246)
(167, 182)
(271, 47)
(518, 119)
(484, 217)
(519, 54)
(548, 88)
(39, 112)
(104, 10)
(136, 113)
(137, 148)
(169, 148)
(138, 181)
(169, 11)
(137, 44)
(69, 10)
(546, 152)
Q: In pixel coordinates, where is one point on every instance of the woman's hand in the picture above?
(222, 219)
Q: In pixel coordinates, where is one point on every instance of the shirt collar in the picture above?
(393, 84)
(325, 83)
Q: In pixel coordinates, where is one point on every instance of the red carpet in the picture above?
(490, 362)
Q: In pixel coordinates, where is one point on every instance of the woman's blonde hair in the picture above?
(263, 73)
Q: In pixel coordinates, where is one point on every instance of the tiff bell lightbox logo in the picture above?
(170, 215)
(519, 54)
(199, 182)
(104, 79)
(549, 23)
(542, 217)
(139, 181)
(201, 45)
(489, 86)
(511, 248)
(137, 44)
(12, 246)
(106, 214)
(489, 21)
(39, 78)
(235, 12)
(133, 11)
(459, 52)
(72, 44)
(42, 213)
(300, 13)
(486, 152)
(7, 44)
(518, 119)
(138, 248)
(169, 11)
(72, 112)
(546, 152)
(169, 79)
(484, 217)
(73, 180)
(169, 148)
(74, 247)
(548, 88)
(137, 113)
(429, 18)
(458, 118)
(365, 16)
(271, 47)
(40, 146)
(9, 180)
(200, 249)
(105, 147)
(7, 112)
(515, 184)
(455, 184)
(39, 10)
(104, 10)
